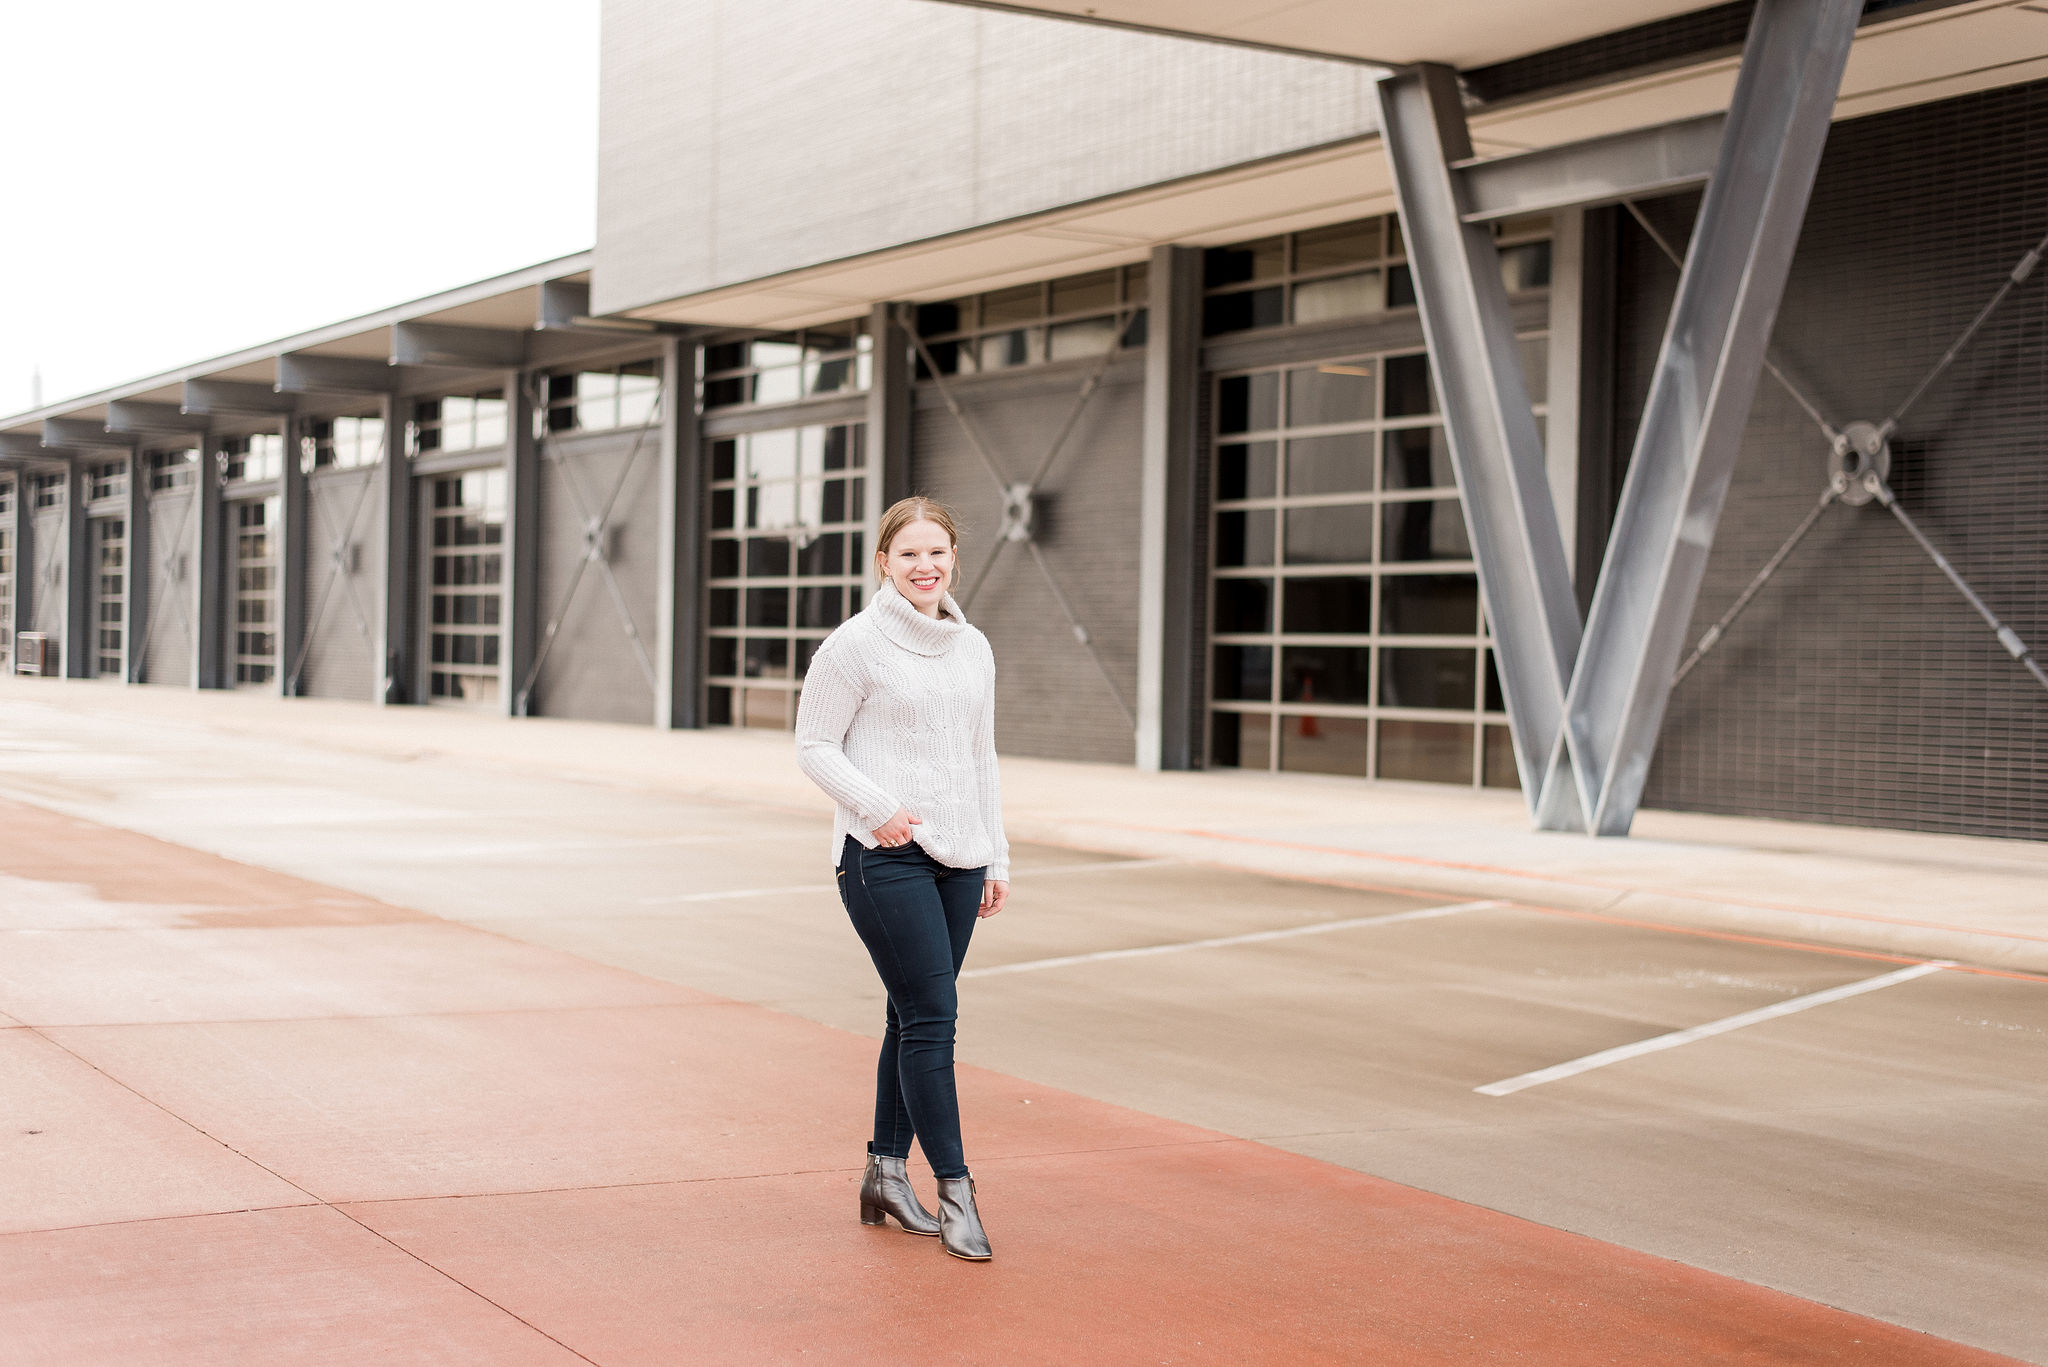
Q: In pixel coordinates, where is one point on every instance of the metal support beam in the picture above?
(1602, 170)
(298, 373)
(79, 579)
(233, 396)
(521, 603)
(1168, 506)
(291, 561)
(396, 624)
(128, 416)
(84, 434)
(565, 307)
(464, 348)
(135, 585)
(1496, 450)
(889, 412)
(30, 448)
(679, 581)
(210, 598)
(1699, 401)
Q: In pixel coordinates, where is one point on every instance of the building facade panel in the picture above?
(344, 567)
(1860, 687)
(1051, 699)
(739, 139)
(594, 670)
(173, 540)
(49, 595)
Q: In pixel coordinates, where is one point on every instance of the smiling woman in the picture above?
(897, 725)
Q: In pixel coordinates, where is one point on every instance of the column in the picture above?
(211, 601)
(135, 587)
(80, 578)
(888, 423)
(291, 563)
(1168, 505)
(679, 586)
(397, 626)
(522, 546)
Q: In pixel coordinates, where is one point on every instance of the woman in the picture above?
(897, 725)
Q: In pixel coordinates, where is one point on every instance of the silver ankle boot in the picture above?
(885, 1190)
(959, 1222)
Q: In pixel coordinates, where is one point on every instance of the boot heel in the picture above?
(873, 1215)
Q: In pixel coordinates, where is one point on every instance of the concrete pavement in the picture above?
(1877, 1153)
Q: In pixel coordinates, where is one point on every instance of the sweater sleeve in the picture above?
(833, 693)
(989, 784)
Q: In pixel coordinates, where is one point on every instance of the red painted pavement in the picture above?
(250, 1119)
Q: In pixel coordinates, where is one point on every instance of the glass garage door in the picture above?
(1346, 626)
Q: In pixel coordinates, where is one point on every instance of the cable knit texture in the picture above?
(899, 710)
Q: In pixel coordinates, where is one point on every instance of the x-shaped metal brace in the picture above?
(597, 551)
(1859, 472)
(1020, 500)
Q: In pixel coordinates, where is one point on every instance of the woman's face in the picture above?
(920, 562)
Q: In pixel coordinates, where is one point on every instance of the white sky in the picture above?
(183, 180)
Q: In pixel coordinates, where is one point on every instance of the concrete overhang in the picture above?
(508, 305)
(1912, 58)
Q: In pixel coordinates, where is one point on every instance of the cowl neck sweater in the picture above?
(898, 711)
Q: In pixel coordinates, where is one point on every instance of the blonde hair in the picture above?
(903, 512)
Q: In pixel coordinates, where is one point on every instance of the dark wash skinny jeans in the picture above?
(915, 915)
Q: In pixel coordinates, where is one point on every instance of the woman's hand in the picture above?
(896, 830)
(994, 893)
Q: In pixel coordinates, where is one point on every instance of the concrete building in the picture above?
(1147, 297)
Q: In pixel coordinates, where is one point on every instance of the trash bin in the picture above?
(35, 653)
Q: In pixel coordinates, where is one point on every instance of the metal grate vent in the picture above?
(1860, 688)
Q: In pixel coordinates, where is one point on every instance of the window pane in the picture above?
(819, 607)
(1095, 290)
(1324, 745)
(1088, 337)
(1339, 296)
(1243, 673)
(724, 656)
(1409, 393)
(1338, 245)
(1002, 350)
(1265, 259)
(767, 607)
(1430, 751)
(1337, 391)
(725, 607)
(1498, 763)
(1526, 267)
(1243, 310)
(1239, 740)
(767, 708)
(824, 555)
(767, 658)
(1248, 403)
(1441, 678)
(1417, 458)
(1430, 530)
(725, 559)
(1329, 536)
(1328, 605)
(772, 455)
(1245, 469)
(1244, 605)
(1429, 605)
(1339, 674)
(1535, 353)
(1245, 538)
(1340, 464)
(1019, 304)
(767, 556)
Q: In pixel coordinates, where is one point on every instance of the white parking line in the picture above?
(1222, 941)
(1719, 1027)
(670, 899)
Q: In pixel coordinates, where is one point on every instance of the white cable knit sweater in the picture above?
(898, 710)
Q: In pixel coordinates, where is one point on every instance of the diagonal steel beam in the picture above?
(1707, 374)
(1496, 450)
